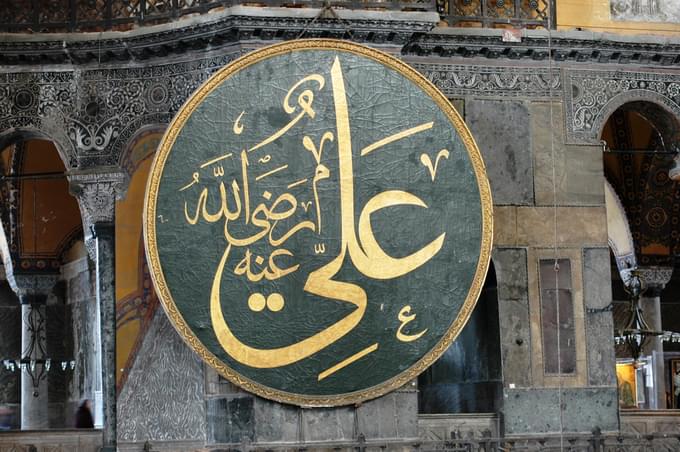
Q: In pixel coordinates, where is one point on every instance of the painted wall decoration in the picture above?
(646, 10)
(136, 300)
(42, 220)
(627, 383)
(318, 222)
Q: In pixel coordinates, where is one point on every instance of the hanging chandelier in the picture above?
(34, 361)
(637, 333)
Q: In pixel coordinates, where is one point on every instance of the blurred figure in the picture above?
(84, 415)
(5, 418)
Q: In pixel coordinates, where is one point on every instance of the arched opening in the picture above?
(643, 211)
(43, 232)
(467, 377)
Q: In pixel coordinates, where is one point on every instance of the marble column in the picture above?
(96, 191)
(33, 291)
(654, 279)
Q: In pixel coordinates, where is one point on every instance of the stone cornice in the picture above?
(235, 24)
(413, 32)
(567, 46)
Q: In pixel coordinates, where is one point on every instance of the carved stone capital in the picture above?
(97, 190)
(654, 279)
(33, 288)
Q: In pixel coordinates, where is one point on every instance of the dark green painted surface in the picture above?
(381, 102)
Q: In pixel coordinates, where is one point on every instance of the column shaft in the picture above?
(651, 309)
(97, 190)
(34, 414)
(106, 299)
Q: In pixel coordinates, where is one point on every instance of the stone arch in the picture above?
(10, 134)
(619, 237)
(134, 139)
(662, 121)
(27, 133)
(6, 259)
(131, 132)
(644, 188)
(636, 96)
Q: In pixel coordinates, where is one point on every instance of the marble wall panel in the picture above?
(230, 420)
(328, 424)
(578, 170)
(277, 422)
(535, 226)
(501, 130)
(597, 295)
(82, 346)
(163, 398)
(513, 311)
(380, 418)
(538, 410)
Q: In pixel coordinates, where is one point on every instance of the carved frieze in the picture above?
(592, 96)
(498, 81)
(92, 114)
(654, 279)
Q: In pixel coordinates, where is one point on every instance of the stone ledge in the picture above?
(161, 446)
(72, 440)
(534, 226)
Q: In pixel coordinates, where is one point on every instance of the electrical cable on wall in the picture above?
(555, 255)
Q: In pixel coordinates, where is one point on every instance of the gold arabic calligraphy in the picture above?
(357, 241)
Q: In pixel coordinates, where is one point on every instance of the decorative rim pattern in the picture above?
(158, 277)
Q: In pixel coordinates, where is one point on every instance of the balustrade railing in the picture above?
(36, 16)
(498, 13)
(90, 441)
(102, 15)
(549, 443)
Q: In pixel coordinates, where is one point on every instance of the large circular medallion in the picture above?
(318, 222)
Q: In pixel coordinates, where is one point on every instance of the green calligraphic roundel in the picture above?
(318, 222)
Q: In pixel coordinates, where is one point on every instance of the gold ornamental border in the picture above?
(150, 201)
